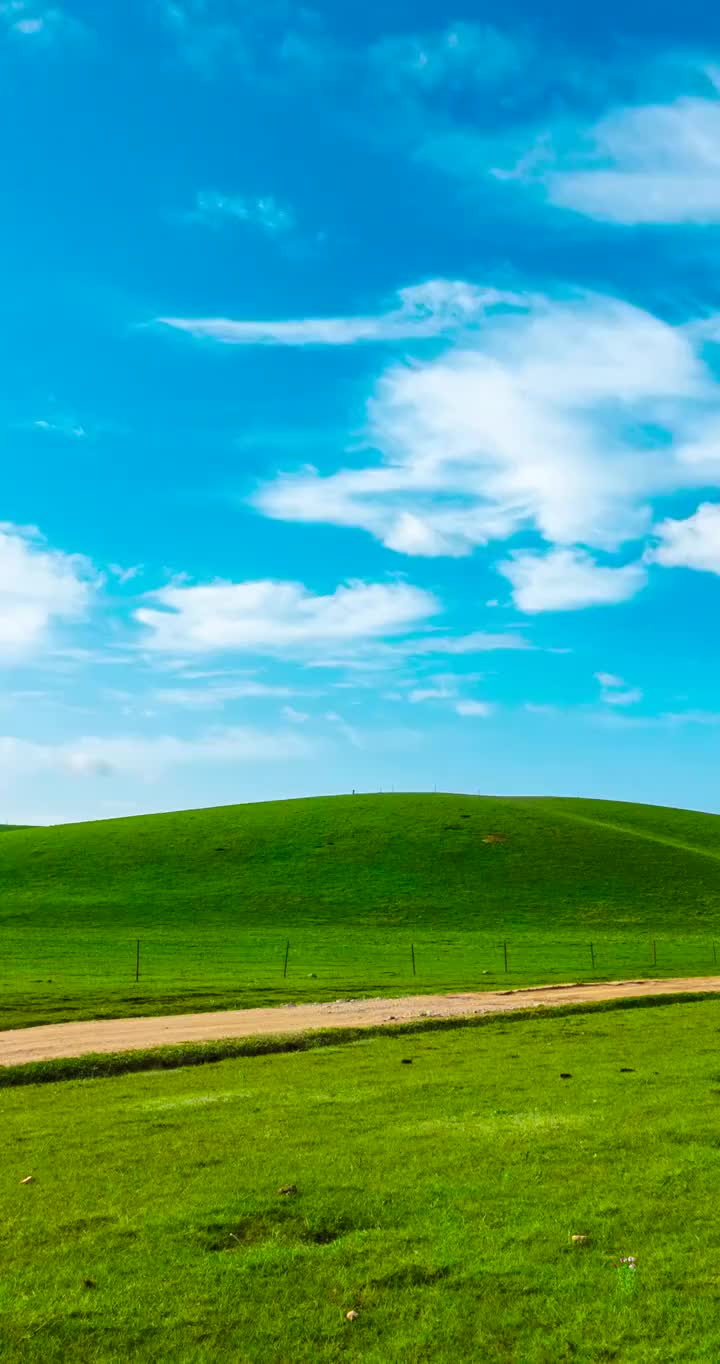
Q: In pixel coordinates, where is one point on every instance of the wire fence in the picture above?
(36, 964)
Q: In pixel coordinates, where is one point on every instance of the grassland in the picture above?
(214, 896)
(436, 1199)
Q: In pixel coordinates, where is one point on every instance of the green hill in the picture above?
(351, 881)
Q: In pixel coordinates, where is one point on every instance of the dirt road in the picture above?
(128, 1034)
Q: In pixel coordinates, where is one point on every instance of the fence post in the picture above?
(287, 954)
(412, 949)
(505, 951)
(137, 960)
(654, 953)
(592, 956)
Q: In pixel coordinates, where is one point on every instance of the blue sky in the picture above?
(361, 402)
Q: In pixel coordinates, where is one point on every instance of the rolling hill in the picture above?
(350, 881)
(408, 860)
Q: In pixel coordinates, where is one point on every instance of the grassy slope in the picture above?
(437, 1199)
(214, 894)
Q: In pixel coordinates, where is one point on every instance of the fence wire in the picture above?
(35, 964)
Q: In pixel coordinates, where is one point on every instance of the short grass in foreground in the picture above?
(437, 1199)
(578, 889)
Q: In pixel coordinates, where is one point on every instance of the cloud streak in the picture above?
(148, 757)
(425, 310)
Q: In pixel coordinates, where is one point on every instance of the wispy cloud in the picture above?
(33, 20)
(462, 57)
(656, 163)
(477, 642)
(614, 692)
(349, 732)
(446, 687)
(274, 616)
(149, 757)
(263, 212)
(426, 310)
(474, 709)
(266, 41)
(628, 697)
(635, 140)
(215, 696)
(125, 575)
(296, 717)
(401, 662)
(61, 426)
(419, 694)
(665, 720)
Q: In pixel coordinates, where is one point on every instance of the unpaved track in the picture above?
(128, 1034)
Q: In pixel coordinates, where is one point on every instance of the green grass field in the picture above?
(214, 896)
(436, 1199)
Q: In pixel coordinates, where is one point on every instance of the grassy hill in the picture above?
(351, 882)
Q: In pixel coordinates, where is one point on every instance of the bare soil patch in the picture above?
(48, 1041)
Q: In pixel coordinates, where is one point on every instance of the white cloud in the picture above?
(30, 19)
(692, 543)
(430, 694)
(125, 575)
(656, 163)
(377, 657)
(39, 587)
(614, 691)
(459, 57)
(567, 579)
(148, 757)
(444, 687)
(64, 427)
(546, 419)
(278, 616)
(296, 717)
(477, 642)
(210, 697)
(474, 708)
(261, 211)
(453, 679)
(627, 697)
(666, 720)
(425, 310)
